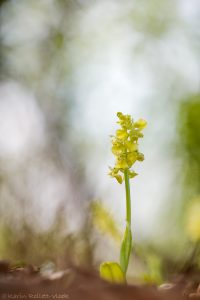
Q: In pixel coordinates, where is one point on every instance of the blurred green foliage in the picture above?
(153, 274)
(189, 128)
(154, 17)
(188, 124)
(27, 246)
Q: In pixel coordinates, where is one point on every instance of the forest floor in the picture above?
(78, 284)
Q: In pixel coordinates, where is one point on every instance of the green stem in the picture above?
(126, 246)
(128, 198)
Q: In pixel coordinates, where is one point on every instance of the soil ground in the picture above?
(79, 284)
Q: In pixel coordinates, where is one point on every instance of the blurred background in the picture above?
(66, 68)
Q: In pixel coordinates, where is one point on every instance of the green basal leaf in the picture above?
(126, 248)
(111, 271)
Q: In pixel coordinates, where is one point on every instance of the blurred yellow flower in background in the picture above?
(193, 220)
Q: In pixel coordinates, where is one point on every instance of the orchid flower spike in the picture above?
(125, 146)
